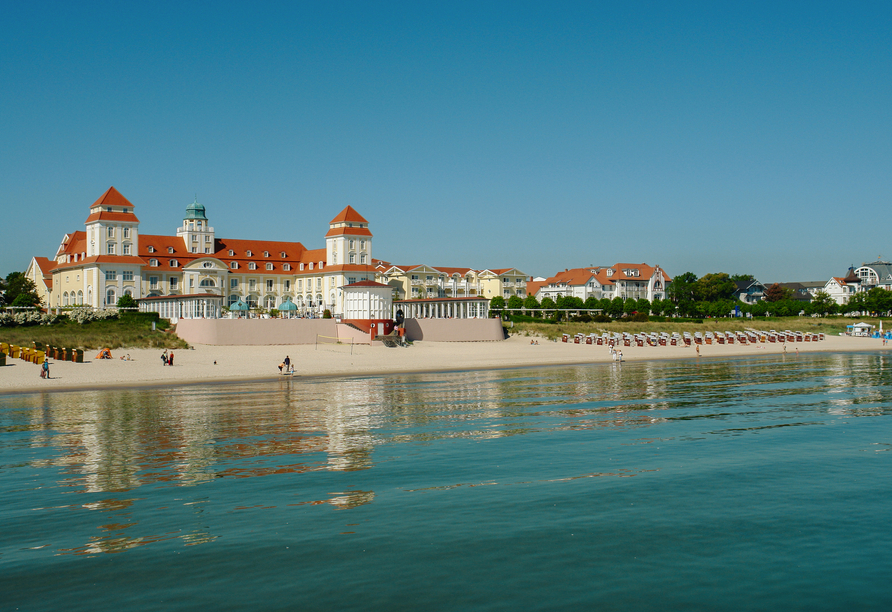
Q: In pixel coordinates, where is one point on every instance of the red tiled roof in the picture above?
(104, 215)
(348, 231)
(368, 283)
(112, 197)
(348, 215)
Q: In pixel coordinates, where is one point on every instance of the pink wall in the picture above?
(260, 332)
(265, 332)
(454, 330)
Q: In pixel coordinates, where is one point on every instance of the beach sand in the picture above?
(235, 363)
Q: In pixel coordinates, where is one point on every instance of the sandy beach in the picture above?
(206, 363)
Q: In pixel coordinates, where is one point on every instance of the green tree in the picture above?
(615, 309)
(681, 291)
(530, 302)
(630, 306)
(591, 302)
(856, 303)
(822, 304)
(127, 301)
(17, 284)
(568, 302)
(515, 301)
(743, 278)
(714, 287)
(548, 303)
(879, 300)
(643, 305)
(497, 304)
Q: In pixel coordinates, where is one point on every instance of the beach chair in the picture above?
(720, 337)
(2, 358)
(565, 338)
(820, 336)
(4, 348)
(78, 356)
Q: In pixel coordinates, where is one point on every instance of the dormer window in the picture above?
(311, 265)
(231, 253)
(151, 249)
(282, 254)
(286, 267)
(320, 265)
(301, 267)
(170, 249)
(252, 266)
(153, 263)
(269, 266)
(248, 253)
(266, 253)
(234, 265)
(174, 263)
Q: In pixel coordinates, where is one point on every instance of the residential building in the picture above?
(627, 281)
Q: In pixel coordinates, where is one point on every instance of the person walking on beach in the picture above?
(45, 368)
(170, 359)
(287, 362)
(164, 358)
(698, 350)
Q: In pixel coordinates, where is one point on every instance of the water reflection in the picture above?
(103, 442)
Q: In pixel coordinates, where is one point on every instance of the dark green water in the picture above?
(761, 484)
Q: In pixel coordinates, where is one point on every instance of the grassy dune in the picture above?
(114, 333)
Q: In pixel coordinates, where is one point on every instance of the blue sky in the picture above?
(704, 137)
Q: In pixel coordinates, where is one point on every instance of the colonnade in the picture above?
(455, 308)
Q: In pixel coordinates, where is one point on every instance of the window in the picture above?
(111, 297)
(207, 238)
(234, 265)
(362, 258)
(362, 245)
(153, 282)
(231, 253)
(207, 264)
(248, 253)
(352, 244)
(252, 266)
(128, 275)
(352, 258)
(126, 232)
(320, 265)
(153, 263)
(170, 249)
(252, 284)
(174, 281)
(287, 285)
(266, 253)
(111, 232)
(286, 267)
(318, 283)
(207, 250)
(151, 249)
(233, 284)
(110, 248)
(282, 254)
(269, 266)
(311, 266)
(269, 285)
(174, 263)
(300, 283)
(126, 249)
(351, 280)
(301, 267)
(208, 282)
(232, 300)
(110, 275)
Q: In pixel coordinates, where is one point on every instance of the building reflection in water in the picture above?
(115, 441)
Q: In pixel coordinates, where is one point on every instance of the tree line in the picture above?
(712, 295)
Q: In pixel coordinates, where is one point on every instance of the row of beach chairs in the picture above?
(37, 352)
(687, 339)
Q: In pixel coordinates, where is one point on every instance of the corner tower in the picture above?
(111, 227)
(348, 241)
(196, 232)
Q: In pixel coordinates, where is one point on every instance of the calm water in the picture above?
(759, 484)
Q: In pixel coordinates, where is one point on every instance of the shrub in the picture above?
(326, 314)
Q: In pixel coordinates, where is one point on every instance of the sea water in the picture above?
(738, 484)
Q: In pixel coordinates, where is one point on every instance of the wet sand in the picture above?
(235, 363)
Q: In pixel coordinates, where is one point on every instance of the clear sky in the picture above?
(700, 136)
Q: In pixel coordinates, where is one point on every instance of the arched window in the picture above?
(234, 265)
(65, 299)
(270, 301)
(233, 298)
(208, 282)
(80, 298)
(110, 298)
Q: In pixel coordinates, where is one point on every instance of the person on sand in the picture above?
(170, 359)
(287, 361)
(45, 368)
(281, 365)
(164, 357)
(698, 350)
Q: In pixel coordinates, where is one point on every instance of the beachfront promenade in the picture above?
(205, 363)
